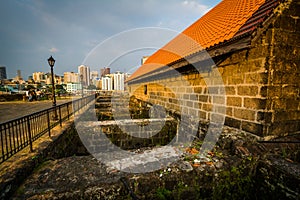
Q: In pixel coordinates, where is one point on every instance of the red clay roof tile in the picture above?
(229, 19)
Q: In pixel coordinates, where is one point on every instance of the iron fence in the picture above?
(18, 133)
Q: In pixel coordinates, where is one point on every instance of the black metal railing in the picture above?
(18, 133)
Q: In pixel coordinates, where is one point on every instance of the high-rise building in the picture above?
(119, 79)
(19, 75)
(94, 77)
(38, 77)
(71, 77)
(104, 71)
(107, 83)
(3, 73)
(84, 72)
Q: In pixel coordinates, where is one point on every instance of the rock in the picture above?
(242, 151)
(185, 166)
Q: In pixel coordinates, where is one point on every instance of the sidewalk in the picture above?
(15, 109)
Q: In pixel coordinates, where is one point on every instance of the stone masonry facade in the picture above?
(261, 82)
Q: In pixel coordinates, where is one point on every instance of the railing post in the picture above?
(29, 133)
(48, 121)
(68, 111)
(59, 110)
(10, 142)
(6, 142)
(2, 144)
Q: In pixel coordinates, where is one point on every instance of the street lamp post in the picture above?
(51, 62)
(81, 80)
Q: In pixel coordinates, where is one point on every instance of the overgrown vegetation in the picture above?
(238, 182)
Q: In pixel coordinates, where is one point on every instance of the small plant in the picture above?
(237, 182)
(163, 194)
(35, 157)
(283, 152)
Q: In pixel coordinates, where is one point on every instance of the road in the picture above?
(16, 109)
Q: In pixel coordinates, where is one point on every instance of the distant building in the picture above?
(94, 77)
(119, 79)
(71, 77)
(144, 58)
(48, 79)
(19, 75)
(84, 72)
(98, 84)
(3, 73)
(73, 87)
(104, 71)
(107, 82)
(38, 77)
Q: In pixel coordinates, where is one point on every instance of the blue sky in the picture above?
(72, 30)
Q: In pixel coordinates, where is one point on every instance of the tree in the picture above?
(91, 87)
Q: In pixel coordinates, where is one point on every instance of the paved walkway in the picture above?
(15, 109)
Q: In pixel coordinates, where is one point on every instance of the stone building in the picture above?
(242, 58)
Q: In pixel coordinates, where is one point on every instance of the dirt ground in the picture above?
(15, 109)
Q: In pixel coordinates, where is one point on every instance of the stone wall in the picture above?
(261, 82)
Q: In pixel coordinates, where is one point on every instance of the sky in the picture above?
(96, 33)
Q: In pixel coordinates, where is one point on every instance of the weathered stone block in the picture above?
(230, 90)
(193, 97)
(272, 91)
(255, 103)
(218, 99)
(248, 90)
(263, 91)
(264, 116)
(203, 98)
(207, 107)
(290, 91)
(252, 127)
(281, 128)
(232, 122)
(216, 118)
(229, 111)
(202, 114)
(256, 78)
(189, 104)
(235, 80)
(198, 90)
(292, 103)
(186, 96)
(256, 64)
(234, 101)
(259, 51)
(244, 114)
(197, 105)
(286, 116)
(278, 104)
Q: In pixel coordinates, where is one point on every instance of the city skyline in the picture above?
(37, 29)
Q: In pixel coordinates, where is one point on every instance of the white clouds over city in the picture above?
(71, 29)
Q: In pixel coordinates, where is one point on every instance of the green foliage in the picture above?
(237, 182)
(163, 194)
(91, 87)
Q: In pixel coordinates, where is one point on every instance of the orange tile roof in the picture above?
(229, 19)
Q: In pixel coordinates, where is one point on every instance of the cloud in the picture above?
(71, 29)
(53, 50)
(194, 4)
